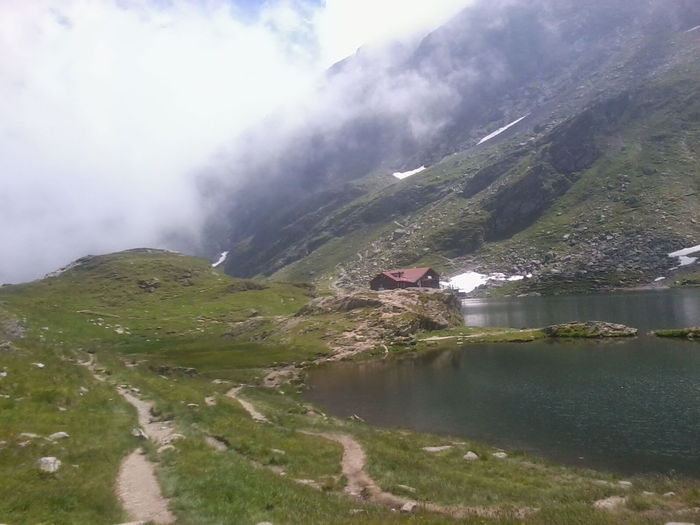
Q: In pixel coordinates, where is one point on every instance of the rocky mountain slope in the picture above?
(592, 187)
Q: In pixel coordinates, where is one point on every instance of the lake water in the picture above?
(623, 405)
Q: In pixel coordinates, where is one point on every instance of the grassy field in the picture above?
(111, 308)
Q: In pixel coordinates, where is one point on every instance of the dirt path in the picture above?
(257, 416)
(139, 492)
(361, 485)
(137, 485)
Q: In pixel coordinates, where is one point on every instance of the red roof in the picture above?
(410, 275)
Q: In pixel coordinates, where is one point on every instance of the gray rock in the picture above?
(29, 435)
(138, 433)
(625, 484)
(408, 507)
(58, 435)
(49, 464)
(500, 455)
(437, 449)
(470, 456)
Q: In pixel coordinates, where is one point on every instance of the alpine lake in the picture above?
(628, 406)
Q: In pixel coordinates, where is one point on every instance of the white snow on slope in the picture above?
(501, 130)
(682, 255)
(469, 281)
(404, 174)
(221, 260)
(693, 29)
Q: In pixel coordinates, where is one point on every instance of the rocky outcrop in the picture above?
(683, 333)
(590, 329)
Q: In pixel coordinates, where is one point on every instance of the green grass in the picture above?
(48, 400)
(181, 324)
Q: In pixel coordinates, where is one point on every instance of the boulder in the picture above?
(470, 456)
(408, 507)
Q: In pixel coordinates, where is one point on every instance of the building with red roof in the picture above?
(408, 278)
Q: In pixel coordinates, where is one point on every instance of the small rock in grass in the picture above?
(278, 451)
(500, 455)
(437, 449)
(49, 464)
(647, 493)
(407, 488)
(611, 503)
(24, 444)
(669, 494)
(3, 444)
(138, 433)
(29, 435)
(39, 365)
(408, 506)
(470, 456)
(165, 448)
(625, 484)
(678, 523)
(192, 405)
(264, 523)
(58, 435)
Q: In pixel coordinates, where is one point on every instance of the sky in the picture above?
(108, 107)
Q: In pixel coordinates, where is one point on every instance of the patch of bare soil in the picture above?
(248, 407)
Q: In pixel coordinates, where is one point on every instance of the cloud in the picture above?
(108, 108)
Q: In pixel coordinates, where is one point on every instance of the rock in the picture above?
(500, 455)
(138, 433)
(408, 507)
(592, 329)
(278, 451)
(437, 449)
(58, 435)
(669, 494)
(678, 523)
(192, 405)
(165, 448)
(49, 464)
(29, 435)
(625, 484)
(610, 504)
(264, 523)
(470, 456)
(39, 365)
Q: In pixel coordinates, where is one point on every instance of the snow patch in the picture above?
(470, 281)
(693, 29)
(404, 174)
(221, 260)
(501, 130)
(682, 255)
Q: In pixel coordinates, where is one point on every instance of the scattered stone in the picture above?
(625, 484)
(29, 435)
(470, 456)
(278, 451)
(210, 401)
(408, 507)
(357, 418)
(647, 493)
(24, 444)
(678, 523)
(165, 448)
(58, 435)
(192, 405)
(437, 449)
(39, 365)
(3, 444)
(610, 504)
(264, 523)
(49, 464)
(138, 432)
(669, 494)
(407, 488)
(84, 390)
(500, 455)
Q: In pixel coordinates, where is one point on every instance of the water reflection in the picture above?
(628, 405)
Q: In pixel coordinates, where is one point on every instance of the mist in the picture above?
(109, 110)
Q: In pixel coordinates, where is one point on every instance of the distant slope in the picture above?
(589, 78)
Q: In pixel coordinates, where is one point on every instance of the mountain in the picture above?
(592, 181)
